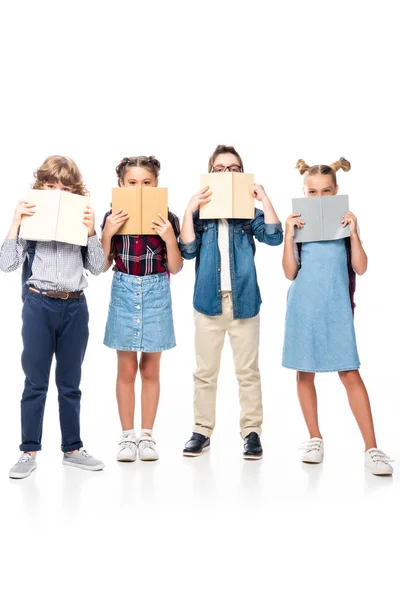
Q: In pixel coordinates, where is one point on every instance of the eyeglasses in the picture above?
(230, 168)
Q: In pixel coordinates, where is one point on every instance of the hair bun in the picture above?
(302, 166)
(342, 163)
(152, 159)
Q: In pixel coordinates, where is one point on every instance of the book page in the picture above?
(70, 228)
(129, 199)
(333, 209)
(42, 225)
(243, 200)
(310, 212)
(221, 204)
(154, 201)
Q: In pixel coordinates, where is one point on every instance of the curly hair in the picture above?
(60, 168)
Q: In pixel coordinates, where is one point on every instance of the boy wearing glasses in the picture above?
(227, 299)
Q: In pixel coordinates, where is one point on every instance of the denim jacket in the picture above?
(246, 295)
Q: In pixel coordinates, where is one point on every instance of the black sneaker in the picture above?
(252, 447)
(196, 445)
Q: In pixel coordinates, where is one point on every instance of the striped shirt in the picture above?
(141, 255)
(57, 266)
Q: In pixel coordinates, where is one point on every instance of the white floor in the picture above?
(194, 528)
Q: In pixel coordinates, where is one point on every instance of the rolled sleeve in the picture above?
(267, 233)
(12, 254)
(95, 261)
(189, 249)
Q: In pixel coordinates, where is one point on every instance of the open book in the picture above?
(142, 205)
(322, 216)
(58, 217)
(231, 196)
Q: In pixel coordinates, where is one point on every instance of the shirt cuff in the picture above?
(9, 244)
(270, 229)
(190, 247)
(93, 242)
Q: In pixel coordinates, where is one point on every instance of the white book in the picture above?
(58, 217)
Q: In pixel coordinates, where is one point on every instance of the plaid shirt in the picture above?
(141, 254)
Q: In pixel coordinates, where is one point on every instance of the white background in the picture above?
(281, 80)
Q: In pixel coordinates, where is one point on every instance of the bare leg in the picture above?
(150, 373)
(127, 370)
(308, 401)
(360, 406)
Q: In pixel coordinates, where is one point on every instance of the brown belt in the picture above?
(58, 295)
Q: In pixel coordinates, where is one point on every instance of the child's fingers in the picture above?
(207, 187)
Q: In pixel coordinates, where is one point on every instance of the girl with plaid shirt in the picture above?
(140, 312)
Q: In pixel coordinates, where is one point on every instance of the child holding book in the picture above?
(227, 300)
(140, 312)
(54, 321)
(319, 332)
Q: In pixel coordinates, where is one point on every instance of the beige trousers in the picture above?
(244, 335)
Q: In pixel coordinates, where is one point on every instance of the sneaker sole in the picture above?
(312, 462)
(194, 454)
(379, 474)
(83, 467)
(149, 459)
(22, 475)
(126, 459)
(253, 457)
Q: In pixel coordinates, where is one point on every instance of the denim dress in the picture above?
(319, 329)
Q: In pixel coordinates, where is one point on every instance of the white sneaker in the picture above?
(147, 448)
(377, 462)
(313, 451)
(127, 448)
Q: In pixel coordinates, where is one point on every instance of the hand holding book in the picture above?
(200, 199)
(350, 219)
(164, 229)
(88, 220)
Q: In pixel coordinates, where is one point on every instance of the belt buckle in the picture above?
(66, 297)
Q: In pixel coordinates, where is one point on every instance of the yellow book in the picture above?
(142, 205)
(58, 217)
(231, 196)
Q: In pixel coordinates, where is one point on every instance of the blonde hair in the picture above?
(60, 168)
(331, 170)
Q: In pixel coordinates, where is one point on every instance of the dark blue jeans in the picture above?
(52, 327)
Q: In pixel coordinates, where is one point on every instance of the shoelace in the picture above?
(127, 443)
(85, 454)
(24, 458)
(379, 456)
(311, 445)
(147, 444)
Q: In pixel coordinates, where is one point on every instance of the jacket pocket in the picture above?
(242, 235)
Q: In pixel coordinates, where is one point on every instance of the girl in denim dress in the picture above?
(319, 331)
(140, 312)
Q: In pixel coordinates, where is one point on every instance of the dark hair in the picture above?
(342, 163)
(222, 149)
(147, 162)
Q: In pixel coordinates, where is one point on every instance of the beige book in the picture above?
(58, 217)
(142, 205)
(231, 196)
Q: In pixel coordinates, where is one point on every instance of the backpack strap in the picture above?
(27, 267)
(352, 274)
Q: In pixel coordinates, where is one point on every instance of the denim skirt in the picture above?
(140, 314)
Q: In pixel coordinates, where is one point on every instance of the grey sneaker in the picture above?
(24, 467)
(82, 460)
